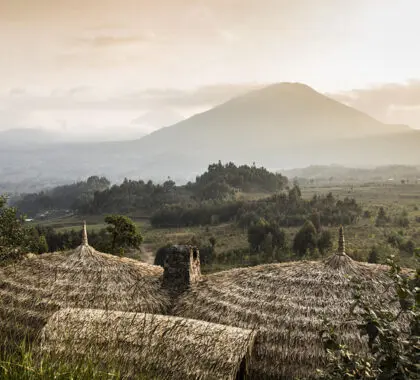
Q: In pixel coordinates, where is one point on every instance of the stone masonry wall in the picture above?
(181, 268)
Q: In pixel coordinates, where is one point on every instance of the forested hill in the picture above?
(97, 196)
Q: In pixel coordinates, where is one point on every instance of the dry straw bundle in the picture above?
(158, 346)
(287, 304)
(33, 288)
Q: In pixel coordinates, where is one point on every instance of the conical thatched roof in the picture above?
(154, 345)
(286, 304)
(33, 288)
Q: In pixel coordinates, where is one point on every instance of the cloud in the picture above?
(110, 41)
(156, 107)
(202, 96)
(17, 91)
(161, 117)
(391, 102)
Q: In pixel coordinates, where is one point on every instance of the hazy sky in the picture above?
(125, 65)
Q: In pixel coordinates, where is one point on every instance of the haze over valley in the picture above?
(140, 90)
(282, 126)
(209, 189)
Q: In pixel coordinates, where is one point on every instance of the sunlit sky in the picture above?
(129, 66)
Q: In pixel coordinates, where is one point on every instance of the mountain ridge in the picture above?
(289, 99)
(283, 125)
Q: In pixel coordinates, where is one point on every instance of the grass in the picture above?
(25, 364)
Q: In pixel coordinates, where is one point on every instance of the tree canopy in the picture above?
(123, 233)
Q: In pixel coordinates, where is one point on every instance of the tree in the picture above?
(42, 245)
(305, 240)
(393, 350)
(316, 220)
(212, 241)
(256, 235)
(279, 237)
(381, 218)
(14, 237)
(268, 244)
(373, 255)
(325, 242)
(403, 220)
(123, 233)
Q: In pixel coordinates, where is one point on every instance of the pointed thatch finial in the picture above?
(341, 243)
(84, 237)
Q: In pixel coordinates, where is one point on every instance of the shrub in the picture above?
(393, 352)
(305, 240)
(382, 218)
(373, 257)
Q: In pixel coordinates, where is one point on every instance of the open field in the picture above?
(360, 237)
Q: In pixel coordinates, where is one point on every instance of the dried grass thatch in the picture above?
(287, 304)
(33, 288)
(158, 346)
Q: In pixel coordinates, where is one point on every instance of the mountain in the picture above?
(156, 119)
(285, 125)
(286, 110)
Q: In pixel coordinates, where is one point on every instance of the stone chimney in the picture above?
(181, 268)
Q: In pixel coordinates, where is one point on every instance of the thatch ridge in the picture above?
(36, 286)
(287, 304)
(164, 346)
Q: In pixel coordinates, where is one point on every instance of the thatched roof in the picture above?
(286, 304)
(33, 288)
(155, 345)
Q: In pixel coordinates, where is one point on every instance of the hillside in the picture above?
(285, 111)
(281, 126)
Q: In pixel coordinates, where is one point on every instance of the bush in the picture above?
(373, 257)
(305, 240)
(325, 242)
(367, 214)
(382, 218)
(393, 352)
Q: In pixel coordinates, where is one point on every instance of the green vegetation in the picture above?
(123, 233)
(249, 224)
(287, 209)
(12, 232)
(95, 196)
(394, 351)
(306, 241)
(67, 197)
(233, 230)
(26, 363)
(221, 181)
(15, 237)
(117, 235)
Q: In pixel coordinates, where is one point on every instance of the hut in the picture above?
(155, 346)
(288, 305)
(32, 289)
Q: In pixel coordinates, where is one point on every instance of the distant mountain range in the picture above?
(284, 125)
